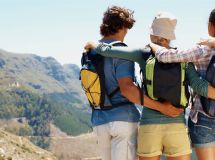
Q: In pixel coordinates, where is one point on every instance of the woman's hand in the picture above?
(207, 42)
(90, 45)
(154, 47)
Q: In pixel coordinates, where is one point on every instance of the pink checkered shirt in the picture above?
(200, 55)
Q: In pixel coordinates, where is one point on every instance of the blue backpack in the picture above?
(207, 103)
(92, 78)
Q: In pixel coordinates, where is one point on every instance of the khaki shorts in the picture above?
(170, 140)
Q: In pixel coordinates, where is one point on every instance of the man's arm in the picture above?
(132, 93)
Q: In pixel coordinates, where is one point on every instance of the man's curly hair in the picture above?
(212, 17)
(116, 18)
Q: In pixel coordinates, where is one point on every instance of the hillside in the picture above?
(82, 147)
(59, 84)
(18, 148)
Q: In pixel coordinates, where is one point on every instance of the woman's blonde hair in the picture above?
(160, 40)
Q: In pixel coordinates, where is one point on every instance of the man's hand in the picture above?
(207, 42)
(169, 110)
(165, 108)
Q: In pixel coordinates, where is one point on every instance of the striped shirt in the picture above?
(200, 55)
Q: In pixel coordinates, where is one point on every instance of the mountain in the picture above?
(24, 75)
(41, 74)
(13, 147)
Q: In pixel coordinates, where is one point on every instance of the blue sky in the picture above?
(60, 28)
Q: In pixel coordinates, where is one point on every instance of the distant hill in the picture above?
(41, 74)
(59, 84)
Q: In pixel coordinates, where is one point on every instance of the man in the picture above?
(116, 129)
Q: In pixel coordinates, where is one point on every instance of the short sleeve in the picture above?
(124, 68)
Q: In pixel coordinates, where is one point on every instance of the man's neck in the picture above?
(114, 37)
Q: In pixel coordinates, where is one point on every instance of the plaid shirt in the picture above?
(200, 56)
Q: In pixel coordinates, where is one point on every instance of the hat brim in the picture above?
(163, 32)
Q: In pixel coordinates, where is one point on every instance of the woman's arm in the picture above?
(174, 55)
(199, 85)
(208, 42)
(126, 53)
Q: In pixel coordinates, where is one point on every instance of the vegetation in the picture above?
(38, 90)
(39, 111)
(41, 141)
(24, 130)
(70, 119)
(20, 102)
(71, 124)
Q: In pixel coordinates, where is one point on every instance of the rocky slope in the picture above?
(18, 148)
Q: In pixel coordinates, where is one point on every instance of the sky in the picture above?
(60, 28)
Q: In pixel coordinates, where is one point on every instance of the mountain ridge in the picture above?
(47, 77)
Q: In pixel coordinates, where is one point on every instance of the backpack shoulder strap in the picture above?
(114, 92)
(148, 53)
(149, 79)
(184, 85)
(141, 87)
(117, 89)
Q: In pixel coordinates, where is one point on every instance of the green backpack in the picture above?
(166, 82)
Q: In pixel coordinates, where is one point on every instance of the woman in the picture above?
(159, 134)
(201, 125)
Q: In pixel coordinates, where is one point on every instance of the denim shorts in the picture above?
(202, 133)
